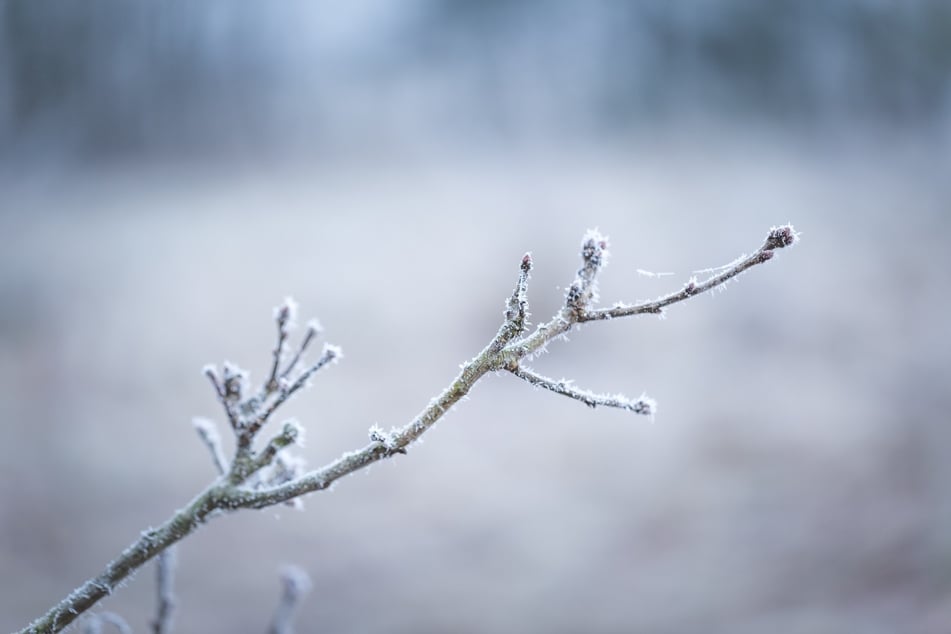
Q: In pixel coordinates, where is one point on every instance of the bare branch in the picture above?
(779, 237)
(283, 315)
(94, 623)
(209, 435)
(165, 586)
(642, 405)
(288, 436)
(295, 584)
(330, 353)
(584, 289)
(505, 352)
(517, 311)
(313, 329)
(222, 396)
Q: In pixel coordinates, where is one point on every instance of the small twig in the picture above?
(295, 584)
(94, 623)
(778, 238)
(593, 255)
(288, 436)
(313, 329)
(209, 435)
(222, 396)
(518, 303)
(165, 586)
(283, 315)
(330, 353)
(642, 405)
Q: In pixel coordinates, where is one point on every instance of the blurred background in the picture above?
(169, 171)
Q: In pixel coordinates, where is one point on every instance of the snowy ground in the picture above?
(795, 478)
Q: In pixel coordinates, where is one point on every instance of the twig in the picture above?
(284, 315)
(594, 251)
(313, 329)
(222, 396)
(209, 435)
(94, 623)
(288, 436)
(642, 405)
(165, 585)
(504, 352)
(330, 353)
(778, 238)
(295, 583)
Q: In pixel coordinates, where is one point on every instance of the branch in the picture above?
(330, 353)
(283, 315)
(643, 405)
(295, 583)
(504, 352)
(209, 435)
(165, 581)
(94, 623)
(313, 329)
(778, 238)
(222, 396)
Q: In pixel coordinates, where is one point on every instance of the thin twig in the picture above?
(222, 396)
(94, 623)
(584, 289)
(282, 316)
(313, 329)
(330, 353)
(209, 435)
(295, 584)
(777, 238)
(165, 586)
(642, 405)
(288, 436)
(517, 312)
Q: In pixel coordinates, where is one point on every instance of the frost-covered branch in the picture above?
(209, 435)
(259, 478)
(642, 405)
(165, 584)
(295, 583)
(94, 623)
(778, 238)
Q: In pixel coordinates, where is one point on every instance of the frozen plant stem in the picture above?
(295, 583)
(252, 479)
(165, 582)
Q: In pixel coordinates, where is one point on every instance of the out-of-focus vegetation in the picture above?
(108, 77)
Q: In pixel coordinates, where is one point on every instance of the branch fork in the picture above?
(259, 478)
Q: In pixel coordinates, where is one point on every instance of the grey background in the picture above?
(169, 172)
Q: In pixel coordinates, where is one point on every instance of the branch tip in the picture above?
(331, 353)
(234, 381)
(286, 313)
(594, 247)
(292, 432)
(780, 237)
(527, 262)
(314, 327)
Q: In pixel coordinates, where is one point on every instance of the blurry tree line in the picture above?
(107, 77)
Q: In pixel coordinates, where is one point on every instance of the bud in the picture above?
(780, 237)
